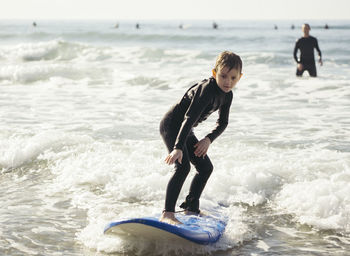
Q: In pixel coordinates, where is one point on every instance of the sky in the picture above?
(175, 9)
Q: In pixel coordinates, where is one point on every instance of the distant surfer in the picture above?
(137, 26)
(176, 129)
(34, 24)
(215, 25)
(306, 46)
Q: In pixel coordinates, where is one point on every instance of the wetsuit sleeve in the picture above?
(296, 47)
(222, 121)
(199, 102)
(318, 48)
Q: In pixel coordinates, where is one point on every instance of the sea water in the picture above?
(80, 106)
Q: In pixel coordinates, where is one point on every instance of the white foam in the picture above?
(42, 51)
(110, 185)
(320, 202)
(18, 150)
(262, 245)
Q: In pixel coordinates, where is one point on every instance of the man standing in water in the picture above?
(306, 45)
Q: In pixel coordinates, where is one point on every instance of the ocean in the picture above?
(81, 103)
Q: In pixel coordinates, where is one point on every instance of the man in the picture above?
(306, 45)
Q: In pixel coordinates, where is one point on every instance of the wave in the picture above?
(268, 58)
(29, 74)
(27, 63)
(51, 50)
(127, 36)
(60, 50)
(18, 151)
(31, 62)
(110, 36)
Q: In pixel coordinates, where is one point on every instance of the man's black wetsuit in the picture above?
(306, 46)
(176, 129)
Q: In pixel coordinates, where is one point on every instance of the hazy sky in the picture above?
(175, 9)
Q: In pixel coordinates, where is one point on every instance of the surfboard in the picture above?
(200, 230)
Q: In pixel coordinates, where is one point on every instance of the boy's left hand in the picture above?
(202, 147)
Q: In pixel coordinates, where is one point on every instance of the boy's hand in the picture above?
(176, 154)
(202, 147)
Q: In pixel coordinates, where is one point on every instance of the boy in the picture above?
(176, 129)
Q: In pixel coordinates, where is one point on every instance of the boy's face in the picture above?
(227, 79)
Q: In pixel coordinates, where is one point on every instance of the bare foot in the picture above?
(169, 217)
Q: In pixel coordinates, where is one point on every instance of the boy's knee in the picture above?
(206, 170)
(183, 168)
(210, 168)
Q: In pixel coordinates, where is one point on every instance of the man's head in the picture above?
(306, 29)
(228, 70)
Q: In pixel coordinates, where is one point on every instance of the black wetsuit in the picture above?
(306, 46)
(176, 129)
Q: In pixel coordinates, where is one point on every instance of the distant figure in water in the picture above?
(306, 46)
(215, 25)
(34, 24)
(181, 26)
(176, 129)
(326, 26)
(292, 27)
(116, 25)
(137, 26)
(276, 27)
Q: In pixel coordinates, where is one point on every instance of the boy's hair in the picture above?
(228, 60)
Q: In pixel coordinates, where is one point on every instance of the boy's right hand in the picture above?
(176, 154)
